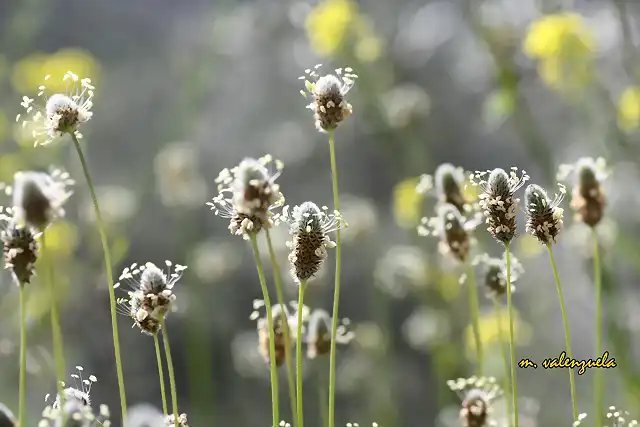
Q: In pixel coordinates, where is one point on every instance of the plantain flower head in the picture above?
(318, 337)
(62, 113)
(587, 197)
(544, 216)
(247, 194)
(20, 247)
(495, 273)
(329, 106)
(477, 395)
(282, 319)
(170, 421)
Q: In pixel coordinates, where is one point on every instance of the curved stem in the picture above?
(301, 288)
(512, 341)
(172, 378)
(160, 374)
(567, 335)
(597, 375)
(474, 308)
(22, 406)
(287, 331)
(336, 293)
(505, 358)
(107, 262)
(56, 330)
(272, 348)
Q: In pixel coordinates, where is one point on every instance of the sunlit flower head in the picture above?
(477, 395)
(151, 295)
(247, 194)
(318, 336)
(20, 247)
(498, 200)
(170, 421)
(39, 197)
(454, 230)
(309, 228)
(448, 182)
(587, 197)
(495, 273)
(544, 215)
(282, 319)
(329, 105)
(61, 113)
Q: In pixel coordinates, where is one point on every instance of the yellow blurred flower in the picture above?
(28, 73)
(529, 246)
(493, 325)
(331, 24)
(564, 46)
(407, 203)
(629, 109)
(449, 286)
(62, 238)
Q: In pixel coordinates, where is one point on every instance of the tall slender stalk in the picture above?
(597, 375)
(160, 374)
(301, 289)
(505, 359)
(336, 293)
(512, 341)
(22, 393)
(172, 377)
(474, 308)
(107, 261)
(56, 330)
(567, 335)
(287, 331)
(272, 348)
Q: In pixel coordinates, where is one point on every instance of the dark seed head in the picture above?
(475, 409)
(588, 199)
(544, 217)
(455, 238)
(20, 251)
(449, 181)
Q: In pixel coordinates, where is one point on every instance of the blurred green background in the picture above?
(186, 88)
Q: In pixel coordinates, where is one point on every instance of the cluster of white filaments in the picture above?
(309, 228)
(151, 295)
(615, 418)
(75, 405)
(318, 333)
(39, 197)
(448, 184)
(62, 112)
(498, 200)
(544, 216)
(170, 421)
(453, 229)
(477, 395)
(247, 194)
(329, 105)
(282, 319)
(495, 273)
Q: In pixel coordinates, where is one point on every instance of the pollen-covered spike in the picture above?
(20, 250)
(544, 216)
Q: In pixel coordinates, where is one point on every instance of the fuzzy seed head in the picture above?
(62, 113)
(329, 105)
(588, 198)
(309, 228)
(151, 295)
(455, 238)
(282, 320)
(38, 197)
(477, 395)
(247, 194)
(319, 333)
(495, 274)
(544, 216)
(20, 249)
(498, 201)
(170, 421)
(449, 181)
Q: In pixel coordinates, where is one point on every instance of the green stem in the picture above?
(512, 341)
(160, 374)
(56, 330)
(322, 398)
(505, 358)
(336, 293)
(287, 331)
(172, 378)
(597, 377)
(474, 308)
(301, 288)
(107, 262)
(272, 348)
(567, 335)
(22, 406)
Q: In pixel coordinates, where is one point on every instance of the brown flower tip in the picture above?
(587, 197)
(329, 105)
(282, 320)
(20, 251)
(319, 333)
(477, 395)
(544, 216)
